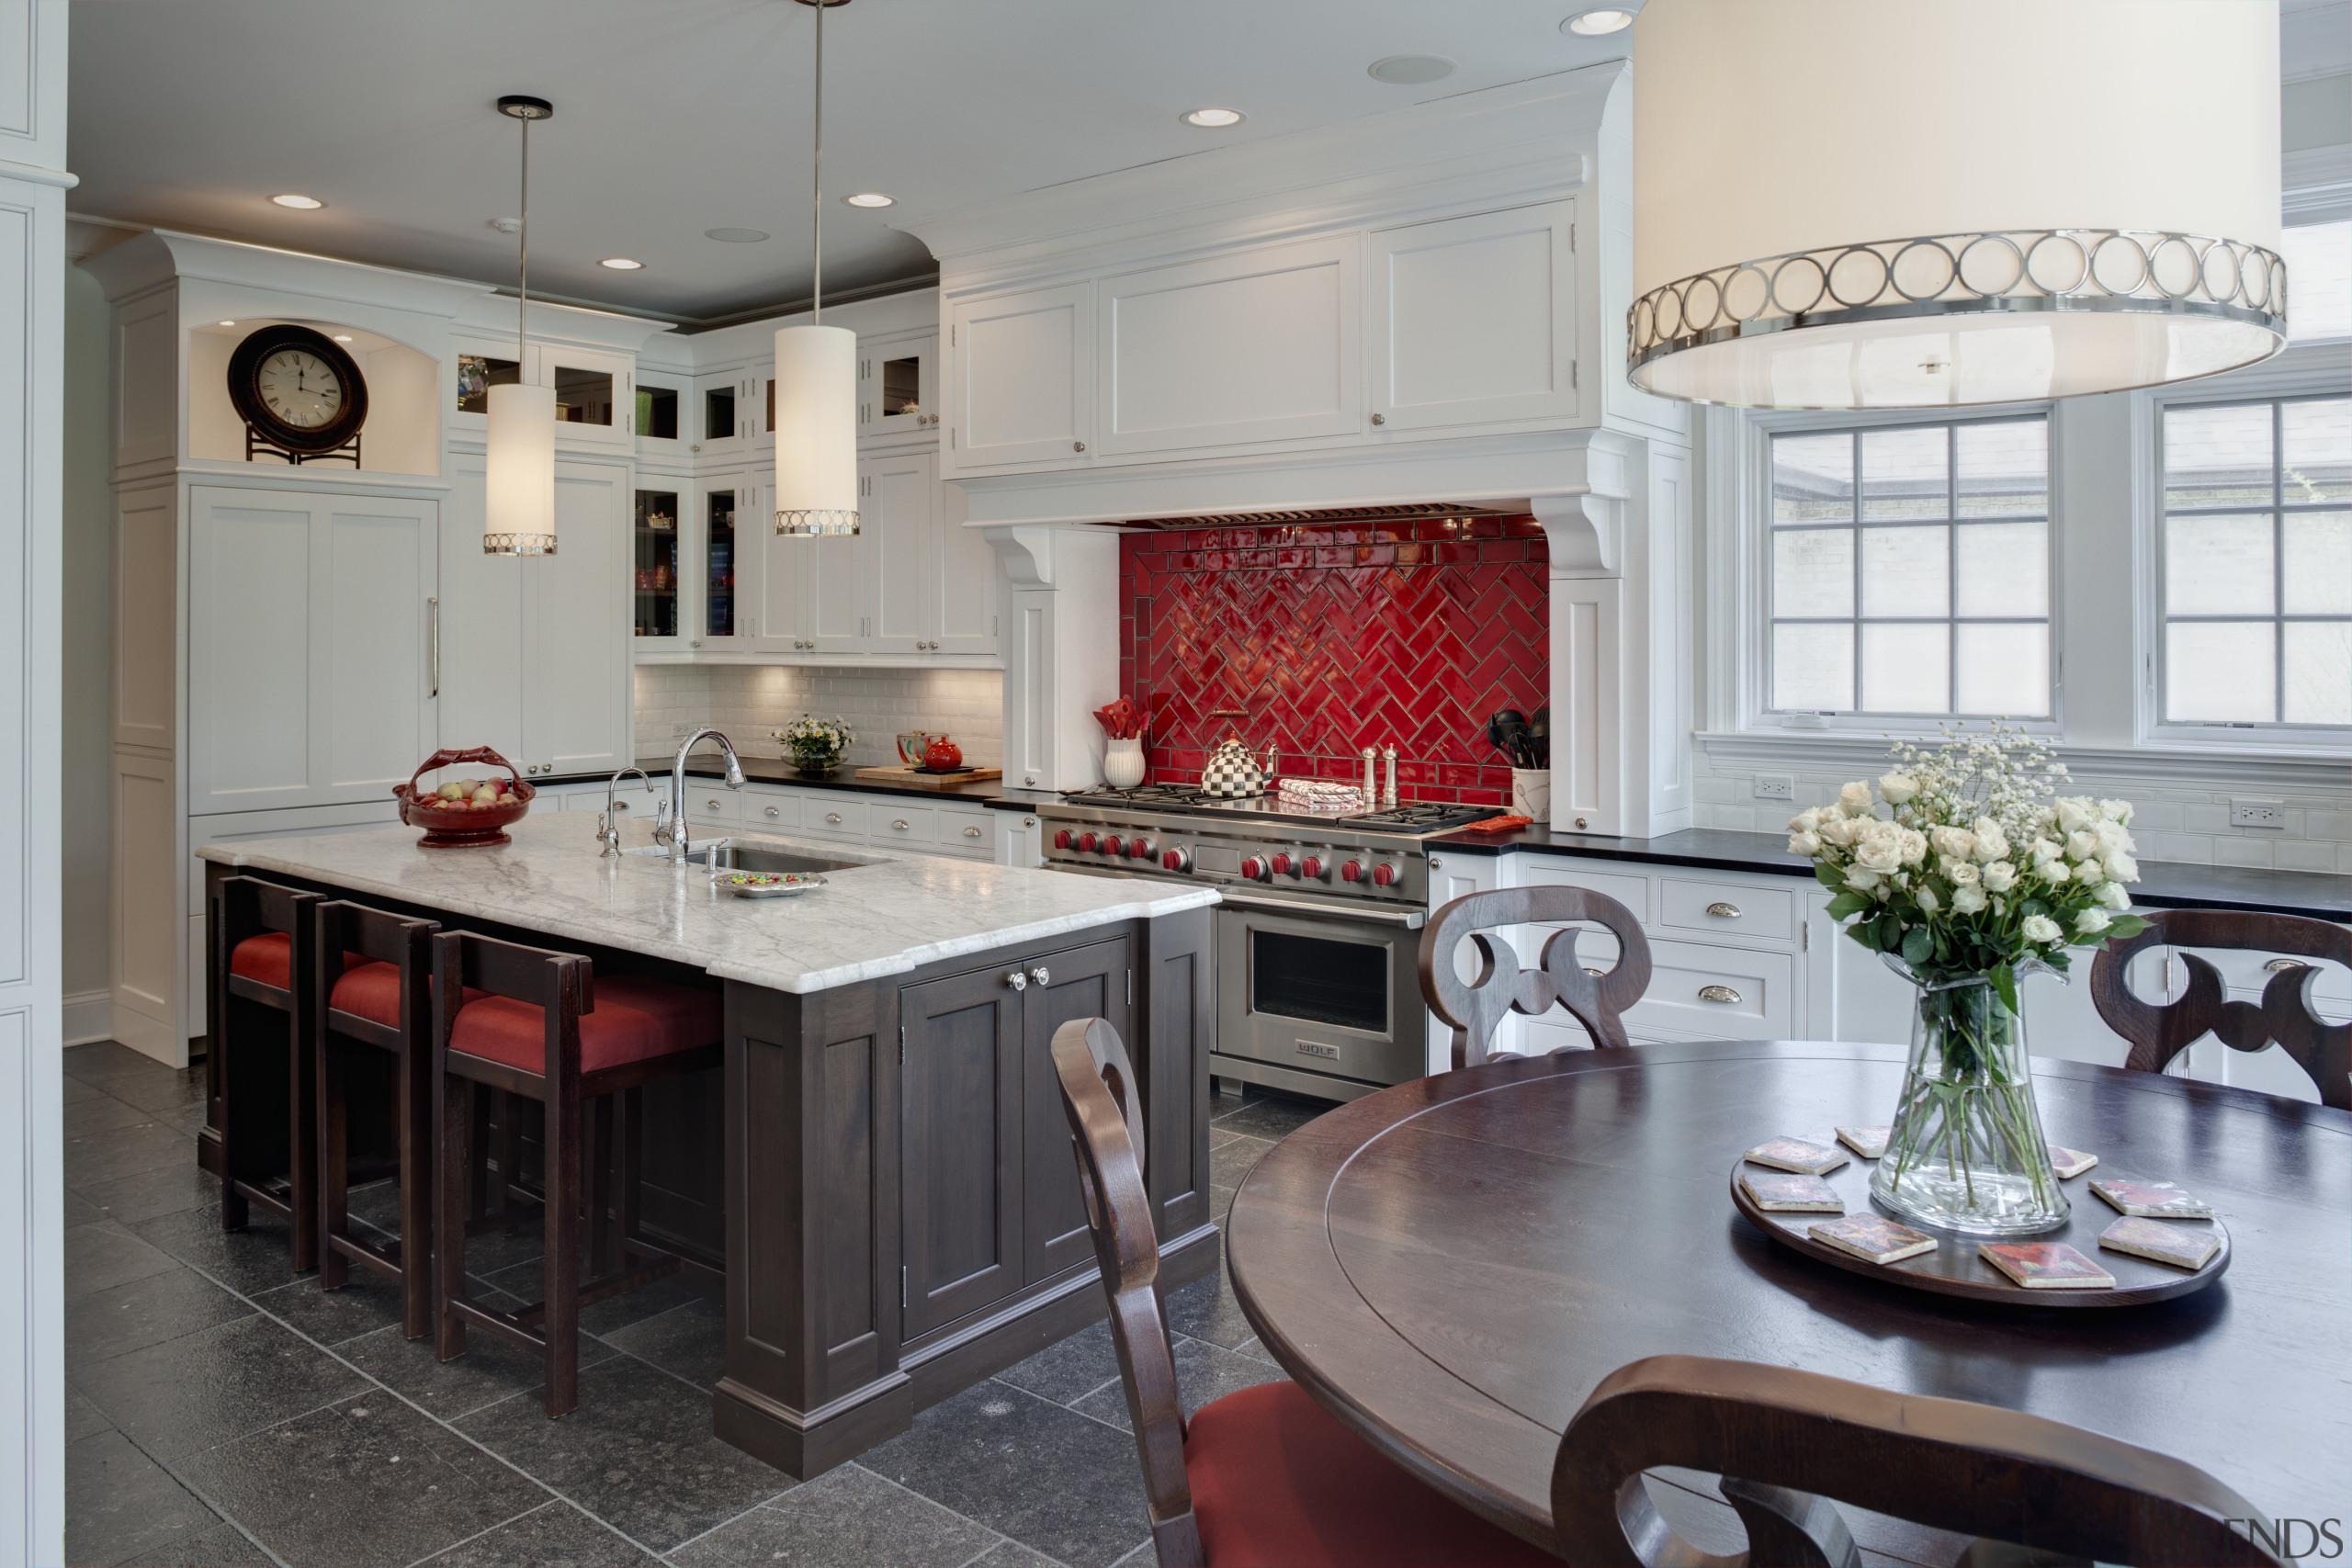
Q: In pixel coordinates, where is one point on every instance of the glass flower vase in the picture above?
(1965, 1152)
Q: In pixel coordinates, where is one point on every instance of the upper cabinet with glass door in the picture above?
(663, 422)
(897, 390)
(593, 388)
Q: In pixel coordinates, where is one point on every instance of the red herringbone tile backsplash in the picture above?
(1404, 634)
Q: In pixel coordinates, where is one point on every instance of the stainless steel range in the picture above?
(1319, 932)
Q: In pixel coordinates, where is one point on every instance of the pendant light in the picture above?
(1852, 203)
(520, 517)
(816, 382)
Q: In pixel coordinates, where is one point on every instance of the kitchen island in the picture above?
(882, 1161)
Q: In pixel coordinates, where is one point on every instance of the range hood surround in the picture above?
(1603, 467)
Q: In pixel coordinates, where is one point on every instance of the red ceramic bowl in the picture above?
(451, 827)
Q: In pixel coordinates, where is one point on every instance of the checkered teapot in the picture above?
(1234, 771)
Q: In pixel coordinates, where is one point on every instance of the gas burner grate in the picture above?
(1142, 795)
(1421, 816)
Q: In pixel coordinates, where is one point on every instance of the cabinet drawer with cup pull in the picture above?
(896, 822)
(1698, 990)
(766, 811)
(1727, 909)
(708, 802)
(964, 833)
(834, 818)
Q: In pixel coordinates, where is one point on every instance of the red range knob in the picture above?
(1351, 871)
(1114, 845)
(1088, 842)
(1138, 849)
(1176, 859)
(1311, 868)
(1254, 868)
(1282, 865)
(1062, 839)
(1384, 875)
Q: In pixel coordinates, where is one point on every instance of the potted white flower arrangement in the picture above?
(1965, 870)
(816, 744)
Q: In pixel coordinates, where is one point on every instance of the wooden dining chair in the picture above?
(2159, 1031)
(1262, 1478)
(1476, 1007)
(1787, 1442)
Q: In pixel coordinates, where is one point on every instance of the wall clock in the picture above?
(299, 393)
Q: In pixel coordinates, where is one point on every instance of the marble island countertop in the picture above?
(886, 917)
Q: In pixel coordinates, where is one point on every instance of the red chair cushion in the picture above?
(635, 1018)
(1278, 1483)
(268, 958)
(370, 988)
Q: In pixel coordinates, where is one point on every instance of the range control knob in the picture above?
(1176, 859)
(1254, 868)
(1282, 865)
(1088, 842)
(1312, 868)
(1138, 849)
(1351, 871)
(1063, 839)
(1114, 845)
(1384, 875)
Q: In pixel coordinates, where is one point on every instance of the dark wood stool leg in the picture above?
(560, 1158)
(478, 1165)
(334, 1170)
(510, 1158)
(632, 1160)
(416, 1190)
(600, 1153)
(235, 1211)
(451, 1123)
(302, 1144)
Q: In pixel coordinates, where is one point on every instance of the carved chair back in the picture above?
(1476, 1007)
(1099, 1092)
(2158, 1032)
(1786, 1441)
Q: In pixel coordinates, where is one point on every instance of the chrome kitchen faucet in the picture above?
(673, 832)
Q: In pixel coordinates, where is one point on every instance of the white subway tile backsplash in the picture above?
(2304, 854)
(750, 700)
(2236, 850)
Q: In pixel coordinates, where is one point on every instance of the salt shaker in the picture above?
(1388, 785)
(1371, 793)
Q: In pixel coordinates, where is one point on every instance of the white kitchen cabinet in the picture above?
(310, 626)
(595, 397)
(722, 414)
(727, 593)
(1472, 321)
(663, 422)
(1254, 345)
(898, 511)
(897, 390)
(1021, 389)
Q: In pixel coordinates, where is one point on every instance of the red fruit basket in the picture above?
(448, 825)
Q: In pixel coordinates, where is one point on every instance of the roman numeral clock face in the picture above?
(298, 391)
(299, 388)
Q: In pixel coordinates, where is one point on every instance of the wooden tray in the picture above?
(923, 779)
(1954, 1270)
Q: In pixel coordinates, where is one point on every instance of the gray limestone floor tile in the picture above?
(1012, 1555)
(1026, 1468)
(142, 1312)
(80, 1211)
(82, 1417)
(490, 1371)
(493, 1251)
(1205, 1310)
(150, 1194)
(78, 1089)
(124, 1151)
(100, 1256)
(1221, 1203)
(638, 1452)
(366, 1483)
(1254, 1345)
(107, 1059)
(522, 1280)
(848, 1517)
(553, 1535)
(222, 1545)
(120, 1504)
(368, 1302)
(689, 1341)
(215, 1385)
(1266, 1115)
(1203, 1372)
(170, 1092)
(1068, 1370)
(100, 1111)
(1232, 1161)
(1143, 1556)
(254, 1259)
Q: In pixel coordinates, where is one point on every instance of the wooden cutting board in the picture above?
(923, 779)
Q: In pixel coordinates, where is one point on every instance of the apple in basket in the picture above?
(474, 794)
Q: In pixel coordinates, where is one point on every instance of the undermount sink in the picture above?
(751, 857)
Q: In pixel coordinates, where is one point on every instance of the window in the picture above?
(2258, 562)
(2319, 280)
(1923, 590)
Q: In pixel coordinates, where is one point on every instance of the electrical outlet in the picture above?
(682, 729)
(1775, 786)
(2257, 813)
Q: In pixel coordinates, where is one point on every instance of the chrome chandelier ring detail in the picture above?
(816, 524)
(2015, 270)
(518, 543)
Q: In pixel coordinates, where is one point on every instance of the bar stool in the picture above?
(544, 1028)
(374, 991)
(264, 976)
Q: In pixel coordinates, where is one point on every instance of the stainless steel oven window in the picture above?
(1342, 984)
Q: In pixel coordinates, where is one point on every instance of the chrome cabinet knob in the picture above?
(2280, 965)
(1077, 445)
(1380, 419)
(620, 806)
(1596, 973)
(1722, 911)
(1017, 980)
(1041, 976)
(1718, 994)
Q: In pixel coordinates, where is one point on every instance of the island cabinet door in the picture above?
(1085, 982)
(962, 1189)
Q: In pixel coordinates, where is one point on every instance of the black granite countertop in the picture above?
(777, 769)
(2163, 885)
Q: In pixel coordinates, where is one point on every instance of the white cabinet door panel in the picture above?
(1472, 320)
(377, 720)
(249, 649)
(576, 692)
(481, 626)
(1256, 346)
(967, 576)
(893, 372)
(1022, 378)
(899, 508)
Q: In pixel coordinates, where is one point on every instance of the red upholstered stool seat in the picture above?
(635, 1018)
(1277, 1482)
(370, 988)
(269, 958)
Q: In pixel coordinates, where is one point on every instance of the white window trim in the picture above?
(1739, 464)
(2305, 369)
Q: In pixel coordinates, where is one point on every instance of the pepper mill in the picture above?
(1370, 790)
(1388, 785)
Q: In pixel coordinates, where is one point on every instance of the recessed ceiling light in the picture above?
(621, 264)
(343, 337)
(1213, 119)
(871, 198)
(300, 203)
(227, 323)
(736, 236)
(1411, 70)
(1592, 24)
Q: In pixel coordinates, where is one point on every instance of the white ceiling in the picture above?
(677, 116)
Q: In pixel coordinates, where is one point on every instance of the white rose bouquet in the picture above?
(1966, 869)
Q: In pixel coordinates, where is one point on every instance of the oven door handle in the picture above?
(1411, 920)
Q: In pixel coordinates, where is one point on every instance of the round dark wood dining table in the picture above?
(1450, 1266)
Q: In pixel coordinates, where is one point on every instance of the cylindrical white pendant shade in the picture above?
(520, 472)
(816, 431)
(1865, 204)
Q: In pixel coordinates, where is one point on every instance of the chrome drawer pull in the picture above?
(710, 805)
(773, 812)
(1017, 980)
(1722, 911)
(832, 815)
(900, 824)
(1040, 974)
(971, 832)
(1596, 973)
(1717, 994)
(2280, 965)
